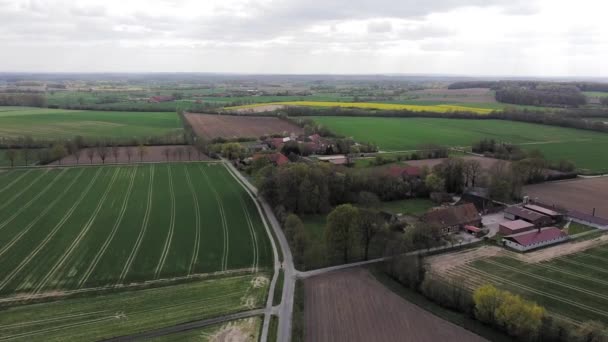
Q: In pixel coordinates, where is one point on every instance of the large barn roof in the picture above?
(524, 213)
(535, 236)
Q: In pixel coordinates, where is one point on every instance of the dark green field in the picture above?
(52, 124)
(101, 317)
(573, 286)
(87, 227)
(586, 149)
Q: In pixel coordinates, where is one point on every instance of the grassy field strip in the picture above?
(223, 218)
(197, 224)
(467, 275)
(163, 256)
(545, 279)
(35, 198)
(18, 237)
(567, 260)
(83, 232)
(110, 237)
(593, 256)
(129, 312)
(142, 231)
(54, 231)
(24, 189)
(565, 271)
(15, 181)
(573, 303)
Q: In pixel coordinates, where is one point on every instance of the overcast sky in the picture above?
(465, 37)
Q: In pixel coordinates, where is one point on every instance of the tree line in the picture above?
(507, 312)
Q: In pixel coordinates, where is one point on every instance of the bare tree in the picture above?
(180, 152)
(115, 152)
(471, 171)
(76, 155)
(102, 151)
(189, 152)
(11, 155)
(167, 152)
(129, 152)
(141, 150)
(28, 143)
(91, 154)
(58, 152)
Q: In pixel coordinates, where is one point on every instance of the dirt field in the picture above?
(153, 154)
(353, 306)
(486, 163)
(481, 95)
(230, 126)
(579, 194)
(259, 109)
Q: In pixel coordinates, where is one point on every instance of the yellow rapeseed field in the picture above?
(368, 105)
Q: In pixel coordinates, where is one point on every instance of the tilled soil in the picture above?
(351, 305)
(231, 126)
(580, 194)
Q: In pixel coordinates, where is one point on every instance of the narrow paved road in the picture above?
(285, 309)
(187, 326)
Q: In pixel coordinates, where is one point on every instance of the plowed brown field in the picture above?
(579, 194)
(353, 306)
(230, 126)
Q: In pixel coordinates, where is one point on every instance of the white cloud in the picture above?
(497, 37)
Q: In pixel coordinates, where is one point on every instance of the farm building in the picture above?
(405, 171)
(515, 227)
(336, 160)
(535, 239)
(519, 213)
(554, 215)
(481, 199)
(452, 219)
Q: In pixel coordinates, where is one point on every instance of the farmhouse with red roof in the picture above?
(535, 239)
(277, 159)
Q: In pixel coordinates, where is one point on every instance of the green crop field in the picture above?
(381, 106)
(585, 148)
(41, 123)
(77, 228)
(106, 316)
(573, 286)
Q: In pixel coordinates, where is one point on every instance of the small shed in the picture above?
(514, 227)
(519, 213)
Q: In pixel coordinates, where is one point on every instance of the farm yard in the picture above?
(441, 108)
(71, 229)
(118, 314)
(351, 305)
(230, 126)
(585, 148)
(582, 195)
(51, 124)
(568, 280)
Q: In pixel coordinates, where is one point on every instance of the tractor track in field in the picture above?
(142, 231)
(6, 187)
(499, 279)
(18, 237)
(16, 196)
(580, 264)
(167, 246)
(49, 236)
(31, 201)
(83, 232)
(223, 218)
(197, 237)
(110, 237)
(548, 280)
(567, 272)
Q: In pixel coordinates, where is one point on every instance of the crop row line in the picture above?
(110, 237)
(6, 187)
(167, 246)
(222, 217)
(197, 237)
(50, 235)
(142, 231)
(24, 189)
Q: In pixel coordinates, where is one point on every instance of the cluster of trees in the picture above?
(315, 188)
(23, 99)
(499, 150)
(542, 96)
